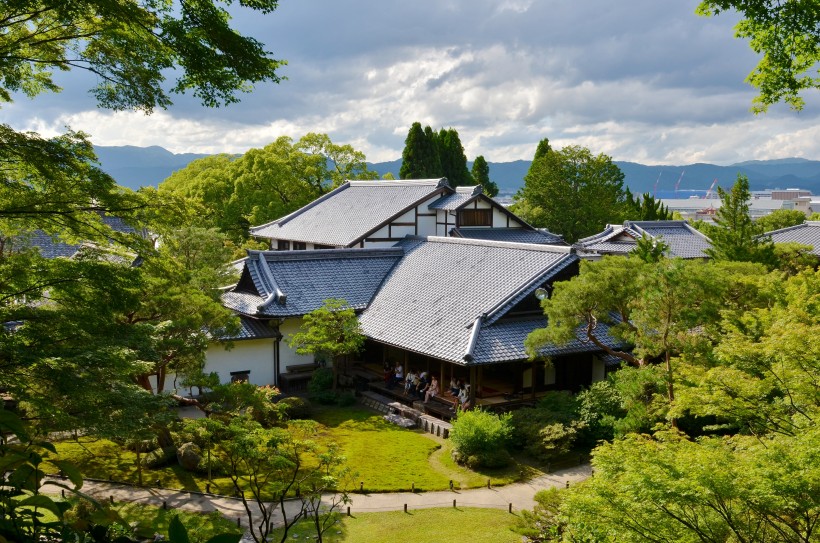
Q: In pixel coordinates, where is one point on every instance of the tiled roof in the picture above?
(350, 212)
(451, 202)
(251, 329)
(52, 247)
(292, 283)
(807, 233)
(684, 241)
(504, 341)
(431, 299)
(512, 235)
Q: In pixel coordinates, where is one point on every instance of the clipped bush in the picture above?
(480, 439)
(293, 408)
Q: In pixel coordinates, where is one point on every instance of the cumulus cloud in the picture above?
(647, 82)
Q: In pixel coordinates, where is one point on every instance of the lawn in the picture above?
(452, 525)
(384, 457)
(148, 520)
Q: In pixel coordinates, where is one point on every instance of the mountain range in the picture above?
(142, 166)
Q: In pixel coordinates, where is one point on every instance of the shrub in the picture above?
(480, 438)
(549, 429)
(293, 407)
(159, 457)
(600, 407)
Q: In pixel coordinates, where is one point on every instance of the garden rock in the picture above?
(189, 455)
(158, 457)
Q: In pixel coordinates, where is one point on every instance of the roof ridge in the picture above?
(330, 254)
(801, 225)
(543, 248)
(282, 220)
(396, 182)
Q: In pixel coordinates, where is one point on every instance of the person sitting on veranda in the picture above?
(464, 397)
(411, 382)
(454, 386)
(421, 386)
(432, 390)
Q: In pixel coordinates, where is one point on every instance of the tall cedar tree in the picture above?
(453, 161)
(420, 158)
(481, 175)
(737, 237)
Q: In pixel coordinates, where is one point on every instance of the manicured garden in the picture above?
(384, 457)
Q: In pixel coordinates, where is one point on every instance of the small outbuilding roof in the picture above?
(684, 240)
(807, 233)
(511, 235)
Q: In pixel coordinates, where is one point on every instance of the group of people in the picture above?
(422, 385)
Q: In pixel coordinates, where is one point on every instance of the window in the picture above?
(283, 245)
(240, 376)
(475, 217)
(299, 246)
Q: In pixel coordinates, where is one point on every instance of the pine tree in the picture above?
(737, 237)
(481, 175)
(412, 166)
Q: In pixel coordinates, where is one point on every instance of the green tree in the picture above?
(452, 158)
(781, 218)
(737, 237)
(646, 208)
(571, 192)
(331, 331)
(481, 175)
(420, 158)
(788, 36)
(650, 249)
(264, 184)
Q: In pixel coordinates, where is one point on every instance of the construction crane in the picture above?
(655, 189)
(678, 183)
(709, 192)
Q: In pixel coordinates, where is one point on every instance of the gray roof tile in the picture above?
(350, 212)
(684, 240)
(432, 297)
(807, 233)
(512, 235)
(300, 281)
(504, 341)
(251, 329)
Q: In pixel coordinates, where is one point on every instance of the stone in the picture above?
(189, 456)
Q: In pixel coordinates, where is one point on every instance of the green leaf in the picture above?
(12, 423)
(70, 471)
(177, 532)
(41, 500)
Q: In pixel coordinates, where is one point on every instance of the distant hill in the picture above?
(142, 166)
(136, 167)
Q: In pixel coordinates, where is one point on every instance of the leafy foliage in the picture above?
(571, 192)
(480, 438)
(481, 175)
(781, 218)
(420, 158)
(645, 208)
(788, 36)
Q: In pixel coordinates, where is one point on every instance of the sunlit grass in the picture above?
(385, 457)
(448, 525)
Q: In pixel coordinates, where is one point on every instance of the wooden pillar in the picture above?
(472, 386)
(384, 355)
(406, 361)
(442, 384)
(480, 390)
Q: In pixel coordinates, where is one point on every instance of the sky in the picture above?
(645, 81)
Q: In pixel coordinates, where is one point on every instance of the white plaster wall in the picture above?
(427, 226)
(288, 356)
(409, 216)
(481, 204)
(255, 355)
(382, 232)
(401, 231)
(371, 244)
(500, 219)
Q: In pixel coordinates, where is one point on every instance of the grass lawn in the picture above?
(421, 525)
(150, 520)
(384, 457)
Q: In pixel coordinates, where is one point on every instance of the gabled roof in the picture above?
(349, 213)
(294, 283)
(807, 233)
(250, 328)
(461, 197)
(684, 241)
(434, 300)
(512, 235)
